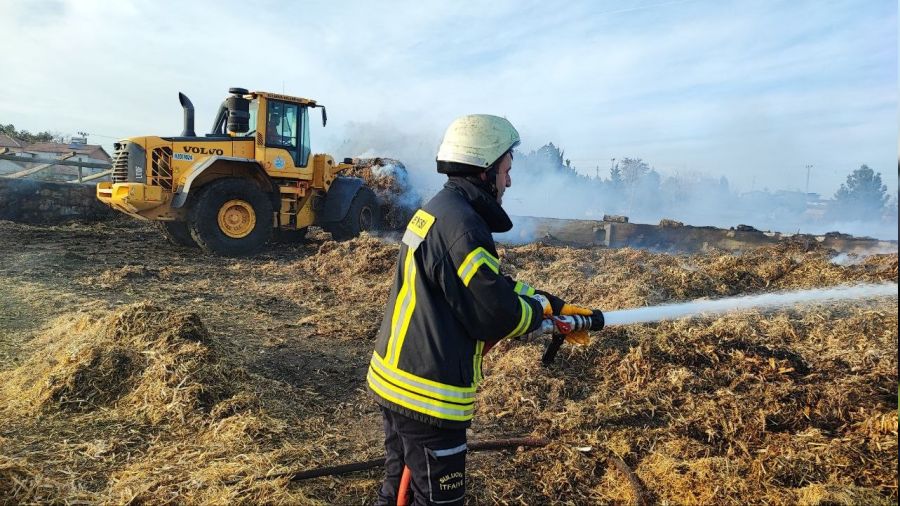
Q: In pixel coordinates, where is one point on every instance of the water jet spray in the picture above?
(765, 302)
(559, 326)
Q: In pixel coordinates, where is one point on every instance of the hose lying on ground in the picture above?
(496, 444)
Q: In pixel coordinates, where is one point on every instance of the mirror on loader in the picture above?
(324, 114)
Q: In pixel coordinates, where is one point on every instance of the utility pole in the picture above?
(808, 169)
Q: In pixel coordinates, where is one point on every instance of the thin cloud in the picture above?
(748, 90)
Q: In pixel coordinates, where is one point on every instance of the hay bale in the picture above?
(389, 179)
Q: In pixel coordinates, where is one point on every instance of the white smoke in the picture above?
(408, 197)
(544, 186)
(416, 150)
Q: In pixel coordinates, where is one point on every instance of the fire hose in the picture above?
(557, 326)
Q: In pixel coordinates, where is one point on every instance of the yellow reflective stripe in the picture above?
(419, 378)
(403, 309)
(524, 320)
(476, 361)
(473, 261)
(408, 312)
(421, 386)
(523, 289)
(416, 402)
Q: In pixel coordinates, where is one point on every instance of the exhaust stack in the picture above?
(238, 111)
(188, 115)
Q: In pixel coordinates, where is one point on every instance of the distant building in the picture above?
(816, 207)
(8, 142)
(50, 150)
(84, 152)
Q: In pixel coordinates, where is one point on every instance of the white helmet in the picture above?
(475, 141)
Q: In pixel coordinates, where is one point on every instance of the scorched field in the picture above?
(135, 372)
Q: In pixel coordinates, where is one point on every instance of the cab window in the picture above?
(254, 112)
(281, 126)
(287, 127)
(304, 146)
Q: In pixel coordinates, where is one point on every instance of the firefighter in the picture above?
(448, 303)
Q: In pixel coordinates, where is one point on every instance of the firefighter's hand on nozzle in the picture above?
(545, 303)
(561, 307)
(556, 304)
(570, 309)
(579, 337)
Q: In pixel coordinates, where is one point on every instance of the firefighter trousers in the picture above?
(436, 458)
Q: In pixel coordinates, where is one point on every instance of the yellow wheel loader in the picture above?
(252, 175)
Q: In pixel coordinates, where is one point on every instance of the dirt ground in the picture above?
(136, 372)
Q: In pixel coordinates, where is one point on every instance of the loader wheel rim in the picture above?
(237, 218)
(365, 219)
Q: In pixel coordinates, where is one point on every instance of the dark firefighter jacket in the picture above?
(448, 298)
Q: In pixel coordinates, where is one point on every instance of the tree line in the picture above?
(30, 138)
(634, 188)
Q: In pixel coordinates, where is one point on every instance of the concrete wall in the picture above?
(31, 201)
(676, 238)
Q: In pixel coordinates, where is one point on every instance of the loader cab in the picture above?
(278, 124)
(287, 127)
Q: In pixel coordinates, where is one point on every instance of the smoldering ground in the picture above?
(241, 369)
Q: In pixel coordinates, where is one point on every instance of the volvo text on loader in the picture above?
(253, 175)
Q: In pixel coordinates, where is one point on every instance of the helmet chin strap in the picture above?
(491, 175)
(489, 183)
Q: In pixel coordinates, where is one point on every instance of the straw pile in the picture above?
(156, 404)
(795, 408)
(141, 380)
(143, 360)
(389, 179)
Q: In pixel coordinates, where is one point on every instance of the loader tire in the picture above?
(177, 233)
(231, 217)
(364, 215)
(291, 236)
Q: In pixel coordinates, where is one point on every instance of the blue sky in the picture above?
(752, 90)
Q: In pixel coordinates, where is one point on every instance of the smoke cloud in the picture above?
(546, 184)
(384, 139)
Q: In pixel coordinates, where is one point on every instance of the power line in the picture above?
(107, 136)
